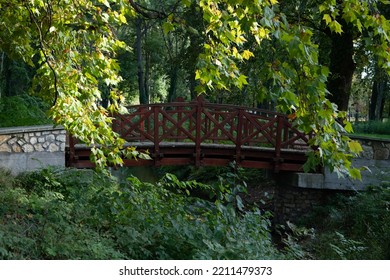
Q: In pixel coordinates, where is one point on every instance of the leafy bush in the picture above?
(79, 214)
(43, 219)
(355, 227)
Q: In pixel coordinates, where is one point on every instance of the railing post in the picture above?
(278, 142)
(156, 137)
(72, 155)
(142, 124)
(199, 108)
(179, 110)
(239, 135)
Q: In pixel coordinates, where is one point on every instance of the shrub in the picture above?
(355, 227)
(79, 214)
(42, 221)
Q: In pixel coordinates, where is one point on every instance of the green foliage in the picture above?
(355, 227)
(22, 110)
(171, 226)
(296, 240)
(74, 47)
(43, 218)
(292, 75)
(372, 127)
(69, 214)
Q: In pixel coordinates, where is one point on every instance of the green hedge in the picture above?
(372, 127)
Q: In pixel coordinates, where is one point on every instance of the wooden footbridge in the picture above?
(201, 133)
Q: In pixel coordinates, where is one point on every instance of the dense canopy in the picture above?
(285, 53)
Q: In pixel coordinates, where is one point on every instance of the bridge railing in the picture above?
(200, 122)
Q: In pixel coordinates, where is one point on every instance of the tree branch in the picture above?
(147, 12)
(42, 48)
(152, 13)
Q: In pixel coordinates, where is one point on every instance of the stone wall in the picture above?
(29, 148)
(374, 162)
(289, 203)
(374, 149)
(292, 204)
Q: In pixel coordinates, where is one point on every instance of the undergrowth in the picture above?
(79, 214)
(353, 227)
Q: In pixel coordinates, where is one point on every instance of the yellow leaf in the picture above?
(327, 18)
(348, 127)
(247, 54)
(273, 2)
(355, 147)
(356, 174)
(122, 18)
(197, 75)
(262, 32)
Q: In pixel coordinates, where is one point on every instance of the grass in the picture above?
(372, 135)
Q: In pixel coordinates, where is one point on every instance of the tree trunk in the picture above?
(7, 76)
(140, 73)
(192, 84)
(172, 83)
(341, 67)
(378, 93)
(147, 72)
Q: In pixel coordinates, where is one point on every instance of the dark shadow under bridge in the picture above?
(201, 133)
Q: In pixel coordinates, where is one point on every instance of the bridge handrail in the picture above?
(199, 121)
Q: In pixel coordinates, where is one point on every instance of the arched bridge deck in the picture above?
(202, 133)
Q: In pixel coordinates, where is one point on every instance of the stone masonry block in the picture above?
(368, 152)
(33, 140)
(381, 153)
(21, 142)
(28, 148)
(61, 138)
(4, 138)
(38, 147)
(16, 148)
(5, 148)
(50, 138)
(53, 148)
(12, 140)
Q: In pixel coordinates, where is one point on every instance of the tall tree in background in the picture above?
(378, 94)
(380, 83)
(342, 65)
(141, 30)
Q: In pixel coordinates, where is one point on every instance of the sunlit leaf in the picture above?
(355, 147)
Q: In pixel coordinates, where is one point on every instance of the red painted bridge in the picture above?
(201, 133)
